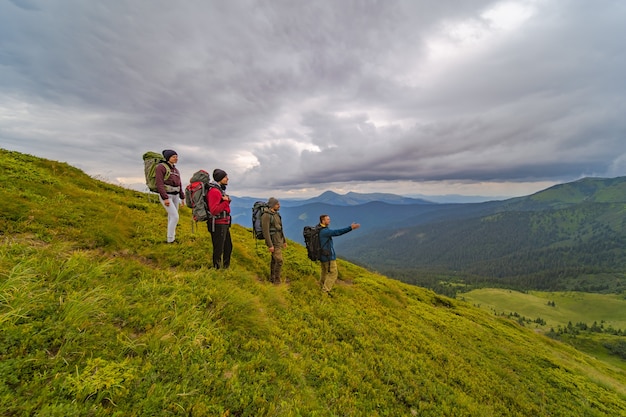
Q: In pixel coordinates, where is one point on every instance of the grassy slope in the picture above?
(608, 310)
(98, 317)
(569, 306)
(586, 189)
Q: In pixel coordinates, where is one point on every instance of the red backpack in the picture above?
(195, 196)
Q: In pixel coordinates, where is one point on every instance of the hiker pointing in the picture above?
(170, 190)
(328, 257)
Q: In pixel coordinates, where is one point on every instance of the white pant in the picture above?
(172, 216)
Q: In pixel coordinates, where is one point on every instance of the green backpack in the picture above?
(150, 161)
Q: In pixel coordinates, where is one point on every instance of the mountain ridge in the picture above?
(551, 240)
(330, 197)
(297, 213)
(352, 199)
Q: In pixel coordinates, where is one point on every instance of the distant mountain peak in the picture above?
(352, 198)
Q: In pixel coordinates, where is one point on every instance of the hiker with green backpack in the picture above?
(170, 190)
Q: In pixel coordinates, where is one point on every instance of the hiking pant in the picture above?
(222, 245)
(329, 275)
(172, 215)
(276, 265)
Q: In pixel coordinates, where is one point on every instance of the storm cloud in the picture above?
(296, 97)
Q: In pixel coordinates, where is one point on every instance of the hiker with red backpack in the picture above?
(219, 224)
(170, 190)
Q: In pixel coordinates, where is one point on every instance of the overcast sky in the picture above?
(291, 98)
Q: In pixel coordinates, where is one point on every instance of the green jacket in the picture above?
(272, 225)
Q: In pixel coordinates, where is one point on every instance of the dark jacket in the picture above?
(326, 242)
(171, 185)
(218, 207)
(272, 225)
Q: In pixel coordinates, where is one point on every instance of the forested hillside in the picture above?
(598, 190)
(99, 317)
(553, 240)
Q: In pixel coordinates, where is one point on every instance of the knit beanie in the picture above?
(168, 153)
(219, 175)
(272, 202)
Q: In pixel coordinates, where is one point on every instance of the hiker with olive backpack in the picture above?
(163, 177)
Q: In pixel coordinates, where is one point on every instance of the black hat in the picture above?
(168, 153)
(219, 175)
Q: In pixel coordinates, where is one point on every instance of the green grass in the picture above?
(98, 317)
(568, 306)
(560, 310)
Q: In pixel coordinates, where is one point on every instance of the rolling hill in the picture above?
(99, 317)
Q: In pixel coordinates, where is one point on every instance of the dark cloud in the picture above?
(25, 4)
(305, 95)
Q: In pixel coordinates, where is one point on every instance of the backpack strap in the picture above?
(168, 171)
(215, 185)
(224, 213)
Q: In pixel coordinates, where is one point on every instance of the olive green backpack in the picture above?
(150, 161)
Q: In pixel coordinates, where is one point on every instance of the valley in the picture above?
(593, 323)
